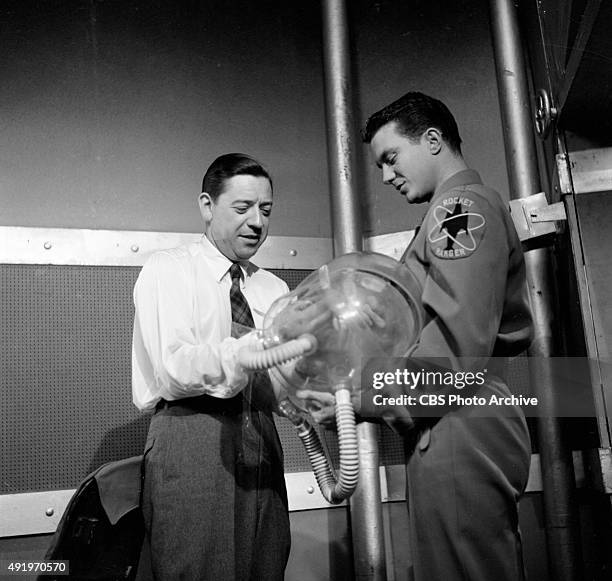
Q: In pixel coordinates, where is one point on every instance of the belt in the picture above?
(205, 404)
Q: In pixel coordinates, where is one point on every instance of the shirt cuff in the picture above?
(236, 376)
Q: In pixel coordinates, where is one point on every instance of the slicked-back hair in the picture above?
(413, 114)
(227, 166)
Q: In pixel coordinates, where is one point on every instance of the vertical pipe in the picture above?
(341, 153)
(560, 508)
(366, 509)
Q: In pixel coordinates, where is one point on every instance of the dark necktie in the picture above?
(258, 439)
(251, 420)
(241, 313)
(262, 394)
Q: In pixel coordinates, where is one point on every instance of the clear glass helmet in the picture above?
(359, 306)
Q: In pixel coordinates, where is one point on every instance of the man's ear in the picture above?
(434, 140)
(205, 202)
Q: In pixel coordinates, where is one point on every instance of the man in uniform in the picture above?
(466, 469)
(214, 498)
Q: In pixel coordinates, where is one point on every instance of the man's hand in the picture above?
(321, 405)
(286, 378)
(301, 317)
(371, 314)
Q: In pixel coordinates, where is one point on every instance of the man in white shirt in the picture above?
(214, 498)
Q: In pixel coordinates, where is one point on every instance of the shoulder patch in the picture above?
(456, 227)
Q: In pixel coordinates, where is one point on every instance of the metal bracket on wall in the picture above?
(534, 218)
(584, 172)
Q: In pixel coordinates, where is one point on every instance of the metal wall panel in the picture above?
(65, 374)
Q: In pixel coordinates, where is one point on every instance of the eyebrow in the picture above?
(251, 203)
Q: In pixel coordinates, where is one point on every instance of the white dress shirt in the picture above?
(182, 344)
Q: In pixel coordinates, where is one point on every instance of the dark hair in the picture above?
(414, 113)
(227, 166)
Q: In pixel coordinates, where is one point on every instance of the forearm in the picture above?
(184, 369)
(194, 370)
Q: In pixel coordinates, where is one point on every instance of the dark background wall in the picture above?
(442, 48)
(111, 110)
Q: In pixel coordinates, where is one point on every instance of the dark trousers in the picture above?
(214, 497)
(465, 477)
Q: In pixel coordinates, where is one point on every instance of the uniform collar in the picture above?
(461, 178)
(219, 264)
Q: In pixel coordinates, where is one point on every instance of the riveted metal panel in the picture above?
(64, 246)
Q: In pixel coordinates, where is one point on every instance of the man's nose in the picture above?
(387, 174)
(255, 218)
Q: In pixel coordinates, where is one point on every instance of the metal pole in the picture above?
(560, 508)
(366, 508)
(341, 155)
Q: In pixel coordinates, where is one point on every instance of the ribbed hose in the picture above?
(252, 358)
(333, 489)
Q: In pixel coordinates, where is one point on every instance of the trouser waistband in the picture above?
(204, 404)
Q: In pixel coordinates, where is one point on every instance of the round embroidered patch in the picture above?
(456, 228)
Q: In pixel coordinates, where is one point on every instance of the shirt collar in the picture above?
(220, 264)
(461, 178)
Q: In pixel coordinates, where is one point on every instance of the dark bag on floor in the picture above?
(101, 530)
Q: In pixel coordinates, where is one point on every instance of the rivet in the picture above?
(50, 511)
(135, 248)
(293, 252)
(47, 245)
(310, 489)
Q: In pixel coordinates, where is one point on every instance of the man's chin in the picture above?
(247, 251)
(410, 195)
(416, 198)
